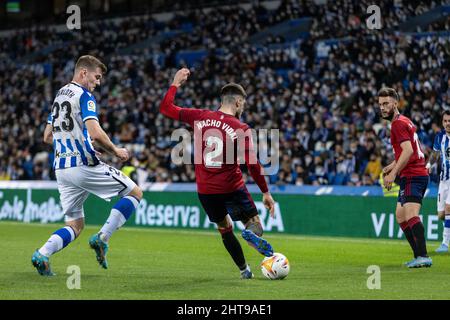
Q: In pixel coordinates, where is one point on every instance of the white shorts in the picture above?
(76, 183)
(443, 195)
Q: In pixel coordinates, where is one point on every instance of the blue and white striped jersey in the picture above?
(73, 105)
(442, 144)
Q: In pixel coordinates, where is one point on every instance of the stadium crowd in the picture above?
(324, 107)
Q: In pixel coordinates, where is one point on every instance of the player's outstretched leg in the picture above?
(252, 234)
(120, 213)
(57, 241)
(234, 248)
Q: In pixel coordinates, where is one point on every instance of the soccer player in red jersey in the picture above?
(409, 165)
(220, 186)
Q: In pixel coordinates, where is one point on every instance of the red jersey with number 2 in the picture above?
(213, 174)
(217, 138)
(402, 129)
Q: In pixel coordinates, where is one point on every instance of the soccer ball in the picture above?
(275, 267)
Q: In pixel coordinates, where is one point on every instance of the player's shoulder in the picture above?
(81, 91)
(402, 121)
(440, 133)
(195, 113)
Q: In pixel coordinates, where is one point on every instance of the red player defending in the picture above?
(410, 165)
(220, 186)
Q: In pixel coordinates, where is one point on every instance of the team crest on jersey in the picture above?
(91, 106)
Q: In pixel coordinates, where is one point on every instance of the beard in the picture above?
(389, 116)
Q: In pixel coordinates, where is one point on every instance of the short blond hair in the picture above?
(90, 62)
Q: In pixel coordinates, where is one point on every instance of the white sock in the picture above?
(247, 268)
(114, 222)
(118, 216)
(58, 240)
(446, 233)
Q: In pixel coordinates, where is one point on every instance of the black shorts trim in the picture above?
(412, 199)
(245, 216)
(123, 184)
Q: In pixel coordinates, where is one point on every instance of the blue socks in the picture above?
(58, 240)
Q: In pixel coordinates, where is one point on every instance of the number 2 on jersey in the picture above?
(218, 149)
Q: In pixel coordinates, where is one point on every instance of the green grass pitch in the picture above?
(179, 264)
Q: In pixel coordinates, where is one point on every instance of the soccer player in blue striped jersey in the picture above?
(441, 150)
(71, 128)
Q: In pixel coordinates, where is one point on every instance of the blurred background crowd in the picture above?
(317, 86)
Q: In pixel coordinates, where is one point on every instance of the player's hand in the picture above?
(180, 77)
(387, 170)
(122, 154)
(269, 203)
(388, 180)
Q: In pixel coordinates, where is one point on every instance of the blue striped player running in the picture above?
(441, 150)
(71, 128)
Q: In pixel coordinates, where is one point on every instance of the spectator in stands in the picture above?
(323, 106)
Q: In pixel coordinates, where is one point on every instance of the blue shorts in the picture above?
(238, 204)
(412, 189)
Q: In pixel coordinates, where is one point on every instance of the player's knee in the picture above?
(80, 229)
(447, 209)
(256, 228)
(77, 228)
(441, 215)
(137, 193)
(225, 230)
(400, 216)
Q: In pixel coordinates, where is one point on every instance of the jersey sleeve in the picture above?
(400, 132)
(437, 142)
(254, 167)
(88, 107)
(169, 109)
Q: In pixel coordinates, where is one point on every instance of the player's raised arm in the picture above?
(101, 138)
(167, 107)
